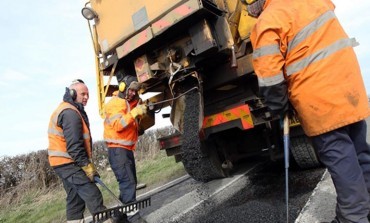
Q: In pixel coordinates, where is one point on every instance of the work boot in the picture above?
(133, 215)
(119, 217)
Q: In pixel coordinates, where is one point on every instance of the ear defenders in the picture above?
(73, 92)
(122, 85)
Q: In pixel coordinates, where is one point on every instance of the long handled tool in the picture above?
(99, 181)
(123, 208)
(286, 159)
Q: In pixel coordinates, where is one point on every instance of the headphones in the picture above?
(122, 84)
(73, 92)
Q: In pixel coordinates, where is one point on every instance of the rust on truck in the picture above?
(196, 56)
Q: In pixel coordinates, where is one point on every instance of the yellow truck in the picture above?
(197, 55)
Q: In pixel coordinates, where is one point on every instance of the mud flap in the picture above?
(116, 211)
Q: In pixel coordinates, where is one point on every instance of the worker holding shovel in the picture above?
(303, 55)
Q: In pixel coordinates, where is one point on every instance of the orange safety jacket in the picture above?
(302, 43)
(57, 149)
(120, 128)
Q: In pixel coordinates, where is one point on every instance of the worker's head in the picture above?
(79, 92)
(254, 7)
(129, 87)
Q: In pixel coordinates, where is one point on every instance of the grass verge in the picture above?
(49, 206)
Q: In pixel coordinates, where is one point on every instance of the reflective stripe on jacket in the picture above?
(57, 149)
(120, 128)
(303, 43)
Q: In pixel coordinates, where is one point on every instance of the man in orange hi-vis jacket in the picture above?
(303, 56)
(121, 135)
(70, 153)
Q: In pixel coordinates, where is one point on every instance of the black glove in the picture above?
(276, 98)
(286, 108)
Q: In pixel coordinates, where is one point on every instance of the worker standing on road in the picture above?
(70, 153)
(303, 55)
(121, 135)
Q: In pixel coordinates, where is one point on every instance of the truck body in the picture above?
(197, 54)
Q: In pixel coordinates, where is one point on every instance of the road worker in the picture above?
(121, 135)
(70, 153)
(303, 56)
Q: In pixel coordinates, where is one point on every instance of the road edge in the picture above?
(320, 207)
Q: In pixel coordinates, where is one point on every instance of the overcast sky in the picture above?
(46, 44)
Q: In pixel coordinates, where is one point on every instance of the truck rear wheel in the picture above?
(303, 152)
(200, 159)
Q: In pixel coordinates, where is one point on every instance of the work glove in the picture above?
(90, 171)
(139, 110)
(292, 115)
(280, 108)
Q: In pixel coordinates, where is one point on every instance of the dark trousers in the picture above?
(122, 162)
(346, 155)
(80, 192)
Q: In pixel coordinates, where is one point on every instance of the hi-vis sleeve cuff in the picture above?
(270, 81)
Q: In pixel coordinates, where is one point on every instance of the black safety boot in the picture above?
(119, 217)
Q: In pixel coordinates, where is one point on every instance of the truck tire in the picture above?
(200, 159)
(303, 152)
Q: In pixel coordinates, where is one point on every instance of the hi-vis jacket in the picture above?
(57, 149)
(301, 44)
(120, 128)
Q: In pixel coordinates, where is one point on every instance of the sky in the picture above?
(46, 44)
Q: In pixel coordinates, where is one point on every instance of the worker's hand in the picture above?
(139, 110)
(282, 110)
(90, 171)
(292, 115)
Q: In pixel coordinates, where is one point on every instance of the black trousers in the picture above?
(80, 192)
(122, 162)
(346, 155)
